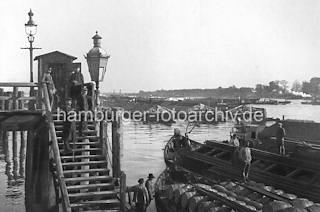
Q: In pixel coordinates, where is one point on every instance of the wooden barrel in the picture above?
(185, 198)
(171, 189)
(178, 193)
(214, 206)
(230, 186)
(204, 206)
(194, 201)
(215, 209)
(254, 196)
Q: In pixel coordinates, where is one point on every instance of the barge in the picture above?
(208, 177)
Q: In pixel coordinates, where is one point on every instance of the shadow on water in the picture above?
(12, 171)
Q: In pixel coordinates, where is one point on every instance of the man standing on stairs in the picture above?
(47, 78)
(69, 129)
(83, 106)
(76, 80)
(141, 197)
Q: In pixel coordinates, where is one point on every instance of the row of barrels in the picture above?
(187, 197)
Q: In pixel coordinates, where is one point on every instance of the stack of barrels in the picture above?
(186, 197)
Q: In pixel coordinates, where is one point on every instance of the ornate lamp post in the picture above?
(97, 59)
(31, 30)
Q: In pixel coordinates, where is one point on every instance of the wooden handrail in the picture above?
(56, 152)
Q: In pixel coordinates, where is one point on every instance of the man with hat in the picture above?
(76, 85)
(150, 186)
(141, 197)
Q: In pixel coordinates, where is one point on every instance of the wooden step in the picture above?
(60, 122)
(59, 127)
(79, 138)
(92, 178)
(91, 186)
(83, 157)
(85, 163)
(85, 150)
(84, 171)
(102, 210)
(85, 132)
(92, 195)
(95, 143)
(110, 203)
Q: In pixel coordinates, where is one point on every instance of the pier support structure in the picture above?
(117, 142)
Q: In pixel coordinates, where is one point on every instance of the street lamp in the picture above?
(97, 59)
(31, 30)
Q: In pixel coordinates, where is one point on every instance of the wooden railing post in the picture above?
(103, 135)
(123, 189)
(14, 98)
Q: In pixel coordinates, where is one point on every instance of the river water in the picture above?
(142, 150)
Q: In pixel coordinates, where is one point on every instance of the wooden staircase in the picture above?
(86, 174)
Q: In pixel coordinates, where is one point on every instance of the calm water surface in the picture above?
(143, 146)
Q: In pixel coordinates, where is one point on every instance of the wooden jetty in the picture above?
(88, 179)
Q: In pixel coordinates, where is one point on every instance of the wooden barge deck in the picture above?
(215, 161)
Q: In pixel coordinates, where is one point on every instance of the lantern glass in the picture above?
(31, 29)
(102, 71)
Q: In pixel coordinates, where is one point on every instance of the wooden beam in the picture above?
(117, 144)
(3, 98)
(268, 168)
(18, 84)
(294, 172)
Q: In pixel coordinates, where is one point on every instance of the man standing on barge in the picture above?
(280, 134)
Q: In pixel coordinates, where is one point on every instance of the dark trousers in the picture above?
(69, 132)
(246, 168)
(140, 207)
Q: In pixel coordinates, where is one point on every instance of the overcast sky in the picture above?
(168, 44)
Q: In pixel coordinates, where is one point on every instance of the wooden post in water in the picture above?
(14, 136)
(22, 154)
(7, 156)
(117, 139)
(123, 189)
(15, 154)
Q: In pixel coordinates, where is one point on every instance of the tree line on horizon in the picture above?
(274, 89)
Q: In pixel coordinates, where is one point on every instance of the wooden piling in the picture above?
(15, 154)
(123, 189)
(117, 142)
(7, 156)
(14, 135)
(22, 154)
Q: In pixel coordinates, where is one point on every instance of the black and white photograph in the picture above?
(160, 106)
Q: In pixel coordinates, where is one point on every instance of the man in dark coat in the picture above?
(76, 86)
(69, 129)
(141, 197)
(280, 134)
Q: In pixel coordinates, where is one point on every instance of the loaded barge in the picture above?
(208, 177)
